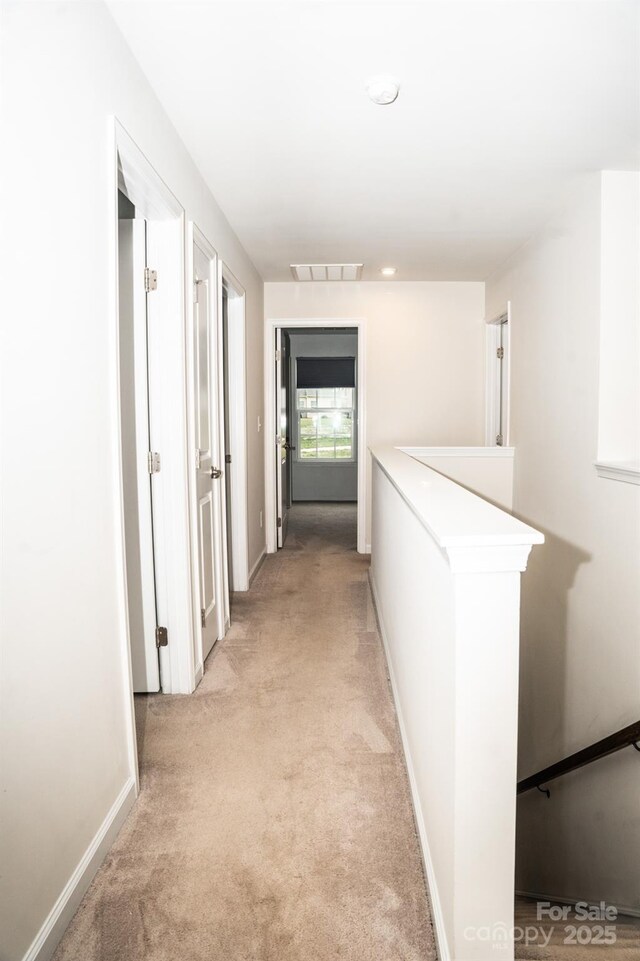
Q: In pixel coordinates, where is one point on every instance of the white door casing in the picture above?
(168, 403)
(135, 446)
(236, 441)
(282, 413)
(271, 449)
(207, 449)
(498, 380)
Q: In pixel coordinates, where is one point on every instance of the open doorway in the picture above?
(314, 410)
(497, 383)
(134, 290)
(153, 387)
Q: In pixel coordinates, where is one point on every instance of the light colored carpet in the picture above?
(274, 822)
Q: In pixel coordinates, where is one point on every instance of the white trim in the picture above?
(437, 917)
(476, 534)
(237, 360)
(282, 507)
(47, 938)
(154, 199)
(196, 238)
(256, 567)
(492, 340)
(198, 660)
(626, 471)
(225, 534)
(116, 452)
(459, 451)
(271, 325)
(145, 516)
(166, 228)
(553, 899)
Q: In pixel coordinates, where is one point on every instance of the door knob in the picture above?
(288, 446)
(215, 473)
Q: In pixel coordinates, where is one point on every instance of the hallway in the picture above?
(274, 819)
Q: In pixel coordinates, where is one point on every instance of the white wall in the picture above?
(65, 71)
(424, 354)
(580, 675)
(619, 397)
(487, 471)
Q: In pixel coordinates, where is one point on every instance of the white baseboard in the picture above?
(554, 899)
(256, 567)
(437, 917)
(73, 892)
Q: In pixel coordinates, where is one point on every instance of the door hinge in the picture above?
(500, 353)
(150, 279)
(153, 462)
(279, 522)
(162, 637)
(278, 355)
(203, 617)
(227, 458)
(499, 440)
(198, 458)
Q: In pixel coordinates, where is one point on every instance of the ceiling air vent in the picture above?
(326, 271)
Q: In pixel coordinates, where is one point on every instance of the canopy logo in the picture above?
(579, 923)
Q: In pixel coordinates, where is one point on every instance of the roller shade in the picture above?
(312, 372)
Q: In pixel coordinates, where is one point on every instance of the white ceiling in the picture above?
(502, 106)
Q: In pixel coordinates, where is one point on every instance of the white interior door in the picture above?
(134, 404)
(282, 436)
(207, 450)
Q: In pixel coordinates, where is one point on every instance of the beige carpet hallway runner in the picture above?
(274, 821)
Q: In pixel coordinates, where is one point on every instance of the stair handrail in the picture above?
(627, 736)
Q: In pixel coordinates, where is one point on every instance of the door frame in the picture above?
(271, 325)
(197, 238)
(236, 354)
(494, 326)
(149, 193)
(140, 412)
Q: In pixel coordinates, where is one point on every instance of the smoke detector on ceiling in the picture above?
(326, 271)
(383, 90)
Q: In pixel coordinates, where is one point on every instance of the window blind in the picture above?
(314, 372)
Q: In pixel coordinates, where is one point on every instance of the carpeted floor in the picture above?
(274, 821)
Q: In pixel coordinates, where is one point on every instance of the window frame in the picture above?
(331, 461)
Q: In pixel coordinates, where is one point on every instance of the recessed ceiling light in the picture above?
(383, 90)
(388, 271)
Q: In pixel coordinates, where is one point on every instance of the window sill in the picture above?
(626, 471)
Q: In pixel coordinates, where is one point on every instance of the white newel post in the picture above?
(487, 617)
(446, 568)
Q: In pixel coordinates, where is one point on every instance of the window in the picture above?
(325, 418)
